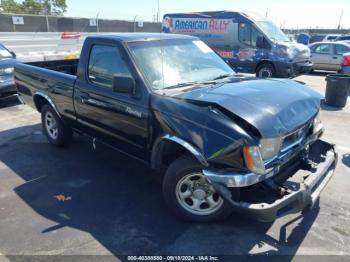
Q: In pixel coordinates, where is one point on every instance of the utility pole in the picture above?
(340, 18)
(135, 23)
(97, 25)
(158, 11)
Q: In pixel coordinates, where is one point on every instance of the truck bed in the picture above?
(54, 79)
(63, 66)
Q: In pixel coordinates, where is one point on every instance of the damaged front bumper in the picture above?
(290, 188)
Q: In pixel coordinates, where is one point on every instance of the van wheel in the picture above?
(265, 70)
(56, 132)
(189, 194)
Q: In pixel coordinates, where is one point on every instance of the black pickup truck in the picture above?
(224, 141)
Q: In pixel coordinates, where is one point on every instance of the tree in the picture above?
(35, 7)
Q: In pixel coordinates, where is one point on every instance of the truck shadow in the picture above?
(118, 201)
(9, 101)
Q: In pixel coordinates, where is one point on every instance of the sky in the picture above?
(285, 13)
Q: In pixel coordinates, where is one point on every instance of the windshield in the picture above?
(169, 63)
(4, 53)
(272, 31)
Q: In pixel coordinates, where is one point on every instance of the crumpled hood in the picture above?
(299, 51)
(275, 107)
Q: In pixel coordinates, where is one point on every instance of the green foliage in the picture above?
(34, 7)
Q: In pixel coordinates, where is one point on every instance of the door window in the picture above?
(248, 34)
(341, 49)
(323, 49)
(104, 63)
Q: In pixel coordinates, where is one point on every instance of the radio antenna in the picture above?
(161, 44)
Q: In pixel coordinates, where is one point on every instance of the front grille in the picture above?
(295, 138)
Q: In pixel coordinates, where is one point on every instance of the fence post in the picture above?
(47, 24)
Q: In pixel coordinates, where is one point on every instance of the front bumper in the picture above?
(289, 70)
(293, 189)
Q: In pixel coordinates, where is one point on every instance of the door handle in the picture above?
(84, 97)
(335, 57)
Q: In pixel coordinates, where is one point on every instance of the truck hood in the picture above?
(275, 107)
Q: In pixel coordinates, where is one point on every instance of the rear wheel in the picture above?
(56, 132)
(265, 70)
(190, 195)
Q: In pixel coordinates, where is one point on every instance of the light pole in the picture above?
(135, 23)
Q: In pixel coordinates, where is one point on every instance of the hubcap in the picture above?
(195, 194)
(265, 72)
(51, 125)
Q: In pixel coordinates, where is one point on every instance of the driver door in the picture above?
(118, 119)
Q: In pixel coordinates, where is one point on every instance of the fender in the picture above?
(48, 99)
(190, 148)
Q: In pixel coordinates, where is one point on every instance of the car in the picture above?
(248, 42)
(7, 62)
(328, 55)
(330, 37)
(224, 142)
(343, 38)
(345, 65)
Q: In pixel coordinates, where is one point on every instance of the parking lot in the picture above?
(83, 201)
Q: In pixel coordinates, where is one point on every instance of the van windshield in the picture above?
(172, 63)
(272, 31)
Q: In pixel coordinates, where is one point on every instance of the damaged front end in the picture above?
(291, 182)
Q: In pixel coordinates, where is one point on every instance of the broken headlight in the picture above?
(270, 147)
(317, 125)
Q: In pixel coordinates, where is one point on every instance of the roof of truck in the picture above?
(132, 37)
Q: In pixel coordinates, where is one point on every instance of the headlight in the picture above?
(317, 126)
(269, 147)
(6, 71)
(253, 160)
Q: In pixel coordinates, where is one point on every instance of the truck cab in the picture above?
(249, 43)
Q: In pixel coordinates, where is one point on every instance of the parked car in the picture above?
(7, 62)
(330, 37)
(248, 42)
(345, 65)
(343, 38)
(225, 142)
(316, 38)
(328, 55)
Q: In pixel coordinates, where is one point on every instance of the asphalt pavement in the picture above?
(81, 201)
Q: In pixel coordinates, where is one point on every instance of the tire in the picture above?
(265, 70)
(182, 171)
(56, 132)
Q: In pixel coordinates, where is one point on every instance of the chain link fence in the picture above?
(31, 23)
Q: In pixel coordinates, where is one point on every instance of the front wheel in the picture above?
(265, 70)
(189, 194)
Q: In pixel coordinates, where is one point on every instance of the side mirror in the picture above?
(124, 84)
(13, 54)
(261, 42)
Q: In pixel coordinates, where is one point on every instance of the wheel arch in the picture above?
(264, 61)
(41, 99)
(168, 147)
